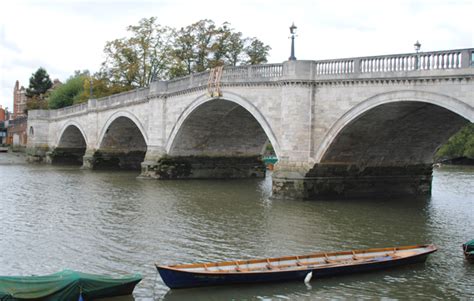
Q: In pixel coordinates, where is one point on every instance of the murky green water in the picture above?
(56, 217)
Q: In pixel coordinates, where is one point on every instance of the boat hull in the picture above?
(176, 279)
(66, 285)
(468, 249)
(469, 257)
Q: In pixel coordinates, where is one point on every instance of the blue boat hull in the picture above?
(184, 279)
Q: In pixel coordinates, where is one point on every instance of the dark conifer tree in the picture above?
(39, 83)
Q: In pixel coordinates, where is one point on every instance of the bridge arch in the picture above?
(385, 145)
(68, 126)
(460, 109)
(117, 115)
(122, 143)
(71, 145)
(231, 97)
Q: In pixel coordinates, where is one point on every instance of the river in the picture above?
(57, 217)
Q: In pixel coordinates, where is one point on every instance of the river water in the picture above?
(57, 217)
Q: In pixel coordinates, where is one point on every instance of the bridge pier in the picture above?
(204, 167)
(352, 181)
(37, 154)
(65, 155)
(113, 159)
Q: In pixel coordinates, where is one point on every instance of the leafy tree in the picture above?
(228, 47)
(101, 87)
(183, 53)
(193, 46)
(35, 103)
(156, 52)
(137, 60)
(256, 52)
(65, 94)
(40, 83)
(459, 145)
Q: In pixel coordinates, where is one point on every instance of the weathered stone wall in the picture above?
(384, 113)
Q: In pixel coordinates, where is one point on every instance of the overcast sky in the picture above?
(63, 36)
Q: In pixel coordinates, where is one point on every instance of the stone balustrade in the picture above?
(437, 60)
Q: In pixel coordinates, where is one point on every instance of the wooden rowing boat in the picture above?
(290, 267)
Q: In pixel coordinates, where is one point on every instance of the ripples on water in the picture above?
(111, 223)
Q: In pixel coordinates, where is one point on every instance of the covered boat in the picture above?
(291, 267)
(468, 249)
(66, 285)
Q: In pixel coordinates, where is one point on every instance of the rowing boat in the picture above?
(291, 267)
(66, 285)
(468, 249)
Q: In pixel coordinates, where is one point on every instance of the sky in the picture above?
(67, 35)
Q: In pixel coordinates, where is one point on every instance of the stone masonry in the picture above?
(348, 127)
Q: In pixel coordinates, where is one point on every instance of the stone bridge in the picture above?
(346, 127)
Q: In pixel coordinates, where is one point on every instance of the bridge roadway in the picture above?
(346, 128)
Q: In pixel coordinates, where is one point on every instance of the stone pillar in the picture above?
(88, 161)
(340, 181)
(149, 166)
(203, 167)
(156, 144)
(295, 138)
(288, 180)
(38, 135)
(352, 181)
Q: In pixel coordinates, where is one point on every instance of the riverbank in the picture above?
(12, 158)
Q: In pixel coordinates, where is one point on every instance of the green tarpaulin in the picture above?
(65, 285)
(469, 246)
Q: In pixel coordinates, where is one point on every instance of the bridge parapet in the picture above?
(436, 60)
(235, 74)
(123, 98)
(423, 64)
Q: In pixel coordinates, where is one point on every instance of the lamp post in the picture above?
(293, 33)
(417, 49)
(417, 46)
(417, 59)
(91, 87)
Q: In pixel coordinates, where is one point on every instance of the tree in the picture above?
(154, 52)
(193, 47)
(65, 94)
(144, 56)
(256, 52)
(101, 87)
(40, 83)
(228, 47)
(459, 145)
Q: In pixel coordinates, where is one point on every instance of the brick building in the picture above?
(3, 126)
(19, 101)
(16, 131)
